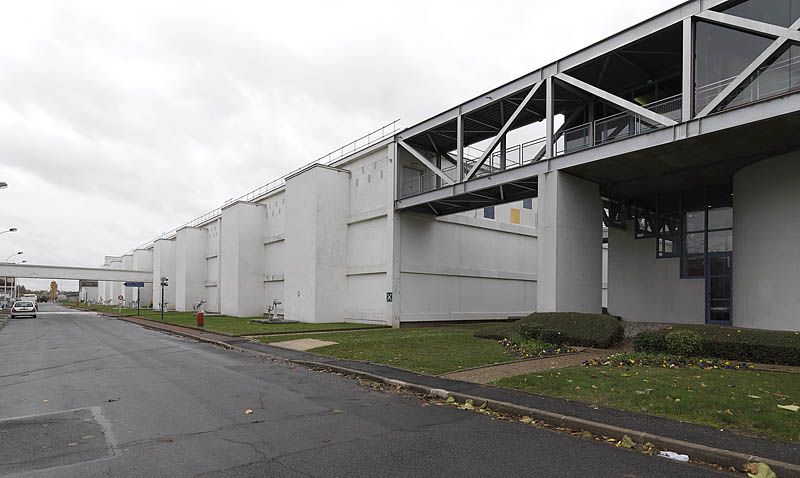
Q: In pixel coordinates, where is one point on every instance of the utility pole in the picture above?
(164, 283)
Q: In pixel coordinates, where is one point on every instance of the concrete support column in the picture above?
(242, 268)
(317, 201)
(164, 266)
(115, 287)
(128, 292)
(143, 261)
(766, 240)
(570, 245)
(190, 267)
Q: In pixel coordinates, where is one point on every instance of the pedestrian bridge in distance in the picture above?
(34, 271)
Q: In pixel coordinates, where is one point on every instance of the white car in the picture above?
(23, 309)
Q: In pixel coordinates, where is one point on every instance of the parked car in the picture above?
(23, 309)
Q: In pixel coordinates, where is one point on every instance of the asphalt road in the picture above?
(82, 395)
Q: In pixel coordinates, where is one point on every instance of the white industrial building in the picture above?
(679, 135)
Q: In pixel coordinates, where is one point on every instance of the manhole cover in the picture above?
(54, 439)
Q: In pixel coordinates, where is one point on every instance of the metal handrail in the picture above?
(337, 154)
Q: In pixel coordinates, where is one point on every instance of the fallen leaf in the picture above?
(759, 470)
(526, 420)
(45, 401)
(755, 397)
(626, 442)
(248, 412)
(791, 408)
(450, 399)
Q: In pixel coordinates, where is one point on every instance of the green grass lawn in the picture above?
(431, 350)
(229, 325)
(742, 400)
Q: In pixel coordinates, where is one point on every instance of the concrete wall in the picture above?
(212, 294)
(316, 244)
(128, 292)
(190, 267)
(464, 268)
(143, 261)
(164, 266)
(274, 249)
(570, 244)
(642, 288)
(369, 251)
(766, 238)
(242, 273)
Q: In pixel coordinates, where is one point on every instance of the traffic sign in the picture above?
(134, 284)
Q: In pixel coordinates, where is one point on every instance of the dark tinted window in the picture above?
(777, 12)
(721, 54)
(488, 212)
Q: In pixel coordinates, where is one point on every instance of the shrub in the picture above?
(497, 331)
(650, 341)
(684, 343)
(571, 328)
(748, 345)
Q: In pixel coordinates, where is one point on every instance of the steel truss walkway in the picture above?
(639, 113)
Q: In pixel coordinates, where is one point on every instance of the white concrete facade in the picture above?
(164, 266)
(766, 234)
(570, 246)
(190, 268)
(329, 247)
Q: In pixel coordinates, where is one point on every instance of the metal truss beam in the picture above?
(616, 100)
(422, 159)
(567, 124)
(750, 69)
(752, 26)
(493, 144)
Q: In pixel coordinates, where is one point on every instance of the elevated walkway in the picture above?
(34, 271)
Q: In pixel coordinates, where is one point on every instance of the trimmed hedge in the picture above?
(572, 328)
(747, 345)
(497, 331)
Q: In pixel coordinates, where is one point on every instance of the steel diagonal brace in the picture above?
(503, 131)
(422, 159)
(783, 38)
(616, 100)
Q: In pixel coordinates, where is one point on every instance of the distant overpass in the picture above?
(33, 271)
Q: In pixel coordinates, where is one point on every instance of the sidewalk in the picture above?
(660, 427)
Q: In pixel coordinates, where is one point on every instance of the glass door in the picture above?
(718, 287)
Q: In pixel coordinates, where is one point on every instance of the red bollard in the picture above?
(201, 318)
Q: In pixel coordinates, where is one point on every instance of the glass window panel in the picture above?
(695, 243)
(720, 287)
(720, 241)
(488, 212)
(721, 313)
(721, 53)
(778, 76)
(719, 265)
(527, 203)
(695, 221)
(777, 12)
(721, 218)
(694, 266)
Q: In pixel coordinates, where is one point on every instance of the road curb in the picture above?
(706, 454)
(696, 451)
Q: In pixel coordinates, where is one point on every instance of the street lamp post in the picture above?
(12, 255)
(3, 185)
(10, 229)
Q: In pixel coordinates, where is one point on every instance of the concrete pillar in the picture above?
(143, 261)
(116, 287)
(164, 266)
(190, 267)
(570, 245)
(766, 235)
(128, 292)
(316, 244)
(242, 266)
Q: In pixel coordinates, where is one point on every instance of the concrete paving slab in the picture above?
(303, 344)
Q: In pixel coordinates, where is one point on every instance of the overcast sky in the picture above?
(122, 120)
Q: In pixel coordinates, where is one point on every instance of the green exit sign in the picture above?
(388, 297)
